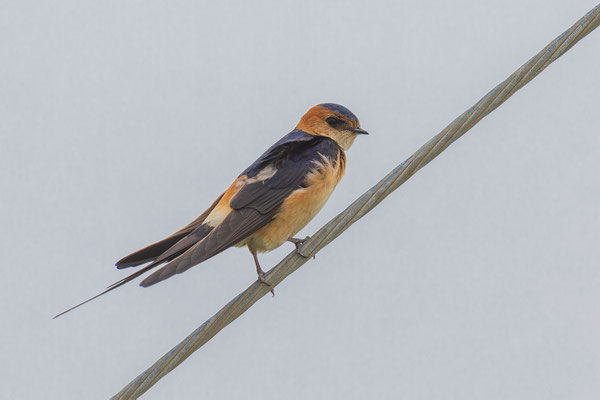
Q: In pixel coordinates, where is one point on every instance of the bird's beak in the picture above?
(358, 131)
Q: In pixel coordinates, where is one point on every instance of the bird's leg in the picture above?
(298, 243)
(259, 271)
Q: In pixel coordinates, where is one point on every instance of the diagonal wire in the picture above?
(363, 204)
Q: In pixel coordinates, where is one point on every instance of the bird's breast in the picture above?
(301, 206)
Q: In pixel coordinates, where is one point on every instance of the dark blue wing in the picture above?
(287, 142)
(292, 160)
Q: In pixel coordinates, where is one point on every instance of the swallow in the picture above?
(268, 203)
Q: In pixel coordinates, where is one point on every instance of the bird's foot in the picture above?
(261, 278)
(298, 243)
(259, 271)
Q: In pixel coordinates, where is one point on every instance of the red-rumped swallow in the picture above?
(268, 203)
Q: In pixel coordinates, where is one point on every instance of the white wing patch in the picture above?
(263, 175)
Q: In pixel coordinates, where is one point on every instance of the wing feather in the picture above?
(238, 225)
(151, 252)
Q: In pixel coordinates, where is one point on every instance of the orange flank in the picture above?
(222, 209)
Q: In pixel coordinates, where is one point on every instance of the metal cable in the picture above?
(363, 205)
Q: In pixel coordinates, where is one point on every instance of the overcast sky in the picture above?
(477, 279)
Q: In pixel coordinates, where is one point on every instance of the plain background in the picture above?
(121, 121)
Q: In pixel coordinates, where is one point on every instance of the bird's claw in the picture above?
(298, 243)
(261, 278)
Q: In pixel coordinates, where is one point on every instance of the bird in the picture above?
(265, 206)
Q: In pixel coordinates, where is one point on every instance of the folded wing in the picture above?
(153, 251)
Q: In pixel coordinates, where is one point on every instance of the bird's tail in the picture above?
(173, 252)
(113, 286)
(159, 252)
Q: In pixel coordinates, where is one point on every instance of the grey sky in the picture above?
(121, 121)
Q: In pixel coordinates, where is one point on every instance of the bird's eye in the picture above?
(333, 121)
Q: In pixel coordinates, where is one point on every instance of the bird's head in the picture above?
(333, 121)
